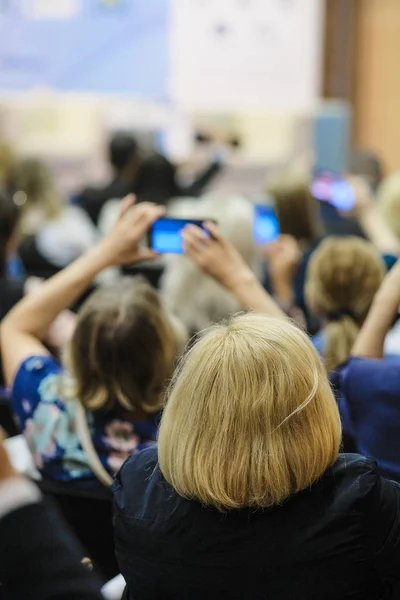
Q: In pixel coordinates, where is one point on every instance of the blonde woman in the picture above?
(189, 293)
(60, 232)
(247, 495)
(343, 276)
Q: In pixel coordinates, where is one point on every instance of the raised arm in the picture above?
(367, 213)
(23, 328)
(218, 258)
(371, 339)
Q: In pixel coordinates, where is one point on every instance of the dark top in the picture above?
(368, 392)
(11, 292)
(155, 182)
(338, 539)
(39, 559)
(47, 420)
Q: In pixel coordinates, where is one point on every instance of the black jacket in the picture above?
(39, 559)
(156, 182)
(339, 539)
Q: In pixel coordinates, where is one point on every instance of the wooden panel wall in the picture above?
(376, 90)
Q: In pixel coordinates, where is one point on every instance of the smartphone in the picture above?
(266, 224)
(332, 188)
(165, 234)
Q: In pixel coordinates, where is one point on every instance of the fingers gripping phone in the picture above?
(165, 235)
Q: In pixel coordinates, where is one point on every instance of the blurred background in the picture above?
(260, 77)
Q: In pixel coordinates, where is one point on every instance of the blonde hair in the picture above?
(343, 275)
(297, 209)
(189, 293)
(250, 416)
(123, 349)
(389, 202)
(43, 199)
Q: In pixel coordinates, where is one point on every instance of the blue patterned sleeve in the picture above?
(34, 383)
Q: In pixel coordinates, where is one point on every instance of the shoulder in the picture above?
(139, 465)
(37, 376)
(368, 376)
(141, 492)
(351, 466)
(356, 480)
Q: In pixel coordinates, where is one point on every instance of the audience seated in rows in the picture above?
(118, 360)
(247, 491)
(122, 352)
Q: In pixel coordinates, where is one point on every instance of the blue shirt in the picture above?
(48, 423)
(368, 392)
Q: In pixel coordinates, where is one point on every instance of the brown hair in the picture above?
(343, 276)
(250, 416)
(123, 348)
(297, 209)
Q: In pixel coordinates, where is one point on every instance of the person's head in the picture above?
(367, 165)
(297, 209)
(389, 201)
(343, 276)
(123, 151)
(250, 417)
(189, 293)
(9, 219)
(123, 348)
(36, 193)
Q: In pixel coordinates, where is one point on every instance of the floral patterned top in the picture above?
(48, 423)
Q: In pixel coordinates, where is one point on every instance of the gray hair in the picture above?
(189, 293)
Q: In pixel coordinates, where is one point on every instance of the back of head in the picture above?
(344, 274)
(250, 417)
(9, 217)
(367, 165)
(389, 201)
(122, 149)
(190, 294)
(36, 193)
(297, 209)
(123, 348)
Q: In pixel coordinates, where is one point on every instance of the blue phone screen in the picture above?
(166, 236)
(266, 224)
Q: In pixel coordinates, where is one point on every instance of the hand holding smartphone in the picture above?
(330, 187)
(165, 234)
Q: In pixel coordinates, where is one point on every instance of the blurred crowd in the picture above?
(221, 423)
